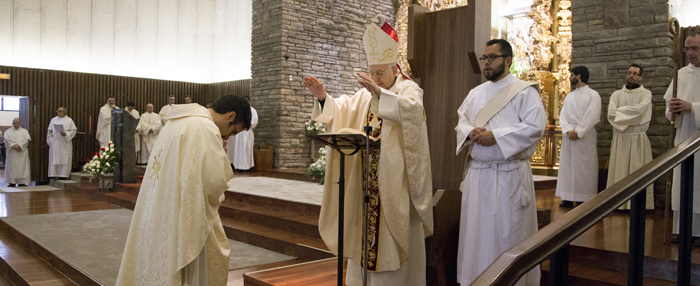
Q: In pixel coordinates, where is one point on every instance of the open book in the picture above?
(354, 131)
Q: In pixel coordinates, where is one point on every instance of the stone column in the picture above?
(293, 39)
(123, 129)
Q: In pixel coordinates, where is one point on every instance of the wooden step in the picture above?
(304, 209)
(315, 273)
(25, 262)
(606, 260)
(586, 275)
(281, 220)
(303, 247)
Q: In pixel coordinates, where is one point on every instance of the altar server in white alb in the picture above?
(59, 137)
(104, 122)
(176, 236)
(687, 109)
(243, 157)
(578, 160)
(500, 122)
(149, 128)
(137, 137)
(400, 208)
(629, 113)
(17, 169)
(165, 110)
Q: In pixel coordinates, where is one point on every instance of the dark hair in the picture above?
(505, 47)
(582, 71)
(236, 103)
(641, 70)
(110, 96)
(131, 103)
(169, 96)
(693, 34)
(186, 96)
(211, 101)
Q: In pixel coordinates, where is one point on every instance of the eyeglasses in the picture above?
(491, 57)
(694, 49)
(633, 73)
(378, 73)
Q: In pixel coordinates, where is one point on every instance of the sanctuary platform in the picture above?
(281, 216)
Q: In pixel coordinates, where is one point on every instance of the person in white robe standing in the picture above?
(687, 109)
(629, 113)
(176, 236)
(188, 99)
(149, 128)
(500, 122)
(104, 122)
(578, 160)
(243, 158)
(137, 137)
(400, 178)
(165, 110)
(59, 137)
(230, 144)
(17, 169)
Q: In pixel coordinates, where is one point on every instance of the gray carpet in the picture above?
(289, 190)
(94, 241)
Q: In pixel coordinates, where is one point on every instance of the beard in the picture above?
(574, 81)
(496, 72)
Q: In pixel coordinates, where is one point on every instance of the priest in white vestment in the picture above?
(59, 137)
(176, 236)
(501, 122)
(687, 108)
(401, 185)
(243, 157)
(17, 169)
(629, 113)
(149, 128)
(104, 122)
(165, 110)
(578, 160)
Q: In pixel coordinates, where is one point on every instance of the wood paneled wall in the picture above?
(83, 94)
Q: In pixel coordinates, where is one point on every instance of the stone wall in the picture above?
(292, 39)
(608, 36)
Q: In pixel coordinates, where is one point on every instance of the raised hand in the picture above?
(316, 87)
(367, 82)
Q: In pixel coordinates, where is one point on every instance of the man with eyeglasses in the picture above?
(500, 122)
(629, 113)
(578, 159)
(686, 108)
(59, 137)
(400, 190)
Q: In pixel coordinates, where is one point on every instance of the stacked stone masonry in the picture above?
(608, 36)
(293, 39)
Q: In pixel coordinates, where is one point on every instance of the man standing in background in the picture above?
(629, 113)
(104, 122)
(165, 111)
(578, 162)
(149, 127)
(137, 137)
(59, 137)
(17, 169)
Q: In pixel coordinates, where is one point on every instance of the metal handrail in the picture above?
(521, 258)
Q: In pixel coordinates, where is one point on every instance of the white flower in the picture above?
(95, 157)
(106, 156)
(102, 173)
(107, 164)
(111, 149)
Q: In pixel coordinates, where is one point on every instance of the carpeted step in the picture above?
(62, 183)
(23, 267)
(300, 208)
(277, 219)
(303, 247)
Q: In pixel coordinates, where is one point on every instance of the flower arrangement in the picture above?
(102, 162)
(313, 127)
(318, 168)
